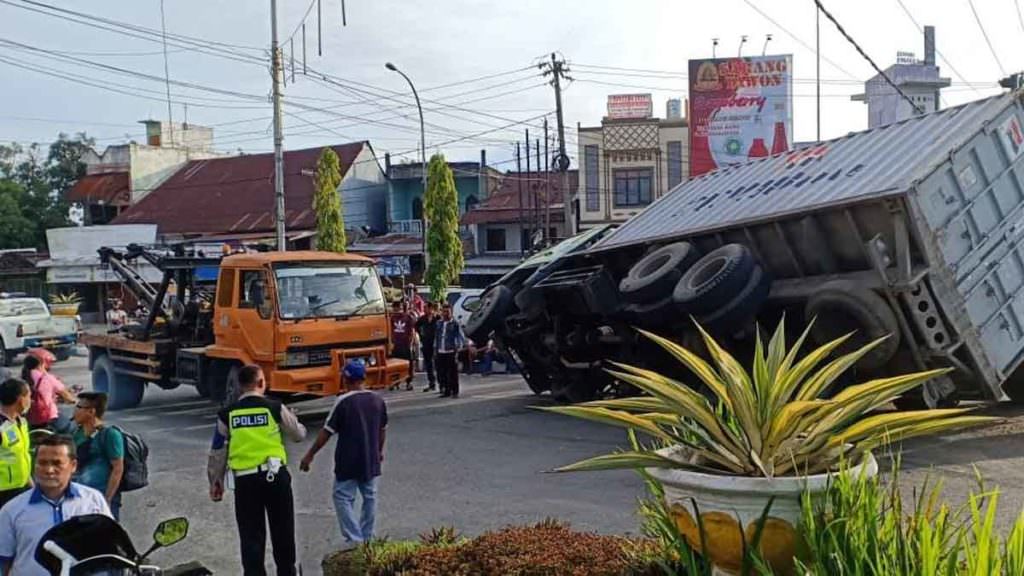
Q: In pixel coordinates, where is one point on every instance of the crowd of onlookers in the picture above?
(427, 335)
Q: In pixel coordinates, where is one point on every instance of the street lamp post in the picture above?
(423, 162)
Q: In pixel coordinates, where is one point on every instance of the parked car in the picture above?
(463, 300)
(27, 323)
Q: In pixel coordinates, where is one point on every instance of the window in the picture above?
(225, 288)
(675, 163)
(632, 187)
(328, 289)
(495, 240)
(593, 178)
(254, 292)
(417, 208)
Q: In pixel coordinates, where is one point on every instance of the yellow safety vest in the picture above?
(254, 437)
(15, 456)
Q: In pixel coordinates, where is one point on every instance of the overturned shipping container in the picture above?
(912, 229)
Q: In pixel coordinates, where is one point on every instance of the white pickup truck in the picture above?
(27, 323)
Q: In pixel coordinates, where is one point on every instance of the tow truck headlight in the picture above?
(293, 359)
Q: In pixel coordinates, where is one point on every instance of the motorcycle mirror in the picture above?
(171, 532)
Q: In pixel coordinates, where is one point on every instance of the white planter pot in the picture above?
(731, 506)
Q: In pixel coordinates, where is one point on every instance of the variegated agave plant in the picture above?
(773, 422)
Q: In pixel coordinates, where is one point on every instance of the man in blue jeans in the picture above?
(359, 419)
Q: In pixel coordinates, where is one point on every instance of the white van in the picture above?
(463, 300)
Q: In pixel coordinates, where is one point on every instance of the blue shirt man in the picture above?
(55, 498)
(359, 419)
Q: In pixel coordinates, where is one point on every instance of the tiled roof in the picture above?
(504, 204)
(235, 194)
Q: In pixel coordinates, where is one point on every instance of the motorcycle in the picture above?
(96, 545)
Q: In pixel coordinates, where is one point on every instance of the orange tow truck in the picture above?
(299, 315)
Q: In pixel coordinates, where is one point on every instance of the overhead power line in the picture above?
(944, 59)
(850, 39)
(984, 33)
(798, 39)
(1020, 19)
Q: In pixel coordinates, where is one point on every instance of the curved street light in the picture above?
(423, 160)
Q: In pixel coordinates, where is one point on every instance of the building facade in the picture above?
(918, 79)
(625, 164)
(124, 174)
(405, 190)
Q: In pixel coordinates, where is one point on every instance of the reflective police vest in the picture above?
(254, 433)
(15, 457)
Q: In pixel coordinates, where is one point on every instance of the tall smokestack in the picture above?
(929, 45)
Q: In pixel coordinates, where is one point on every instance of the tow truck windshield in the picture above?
(328, 290)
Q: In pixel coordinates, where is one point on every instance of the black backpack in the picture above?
(136, 452)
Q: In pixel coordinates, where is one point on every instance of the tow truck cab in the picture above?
(300, 316)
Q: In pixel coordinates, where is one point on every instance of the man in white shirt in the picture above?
(116, 316)
(55, 498)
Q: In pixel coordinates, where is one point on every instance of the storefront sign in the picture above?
(630, 106)
(740, 109)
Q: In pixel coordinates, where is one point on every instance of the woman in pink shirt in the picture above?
(46, 389)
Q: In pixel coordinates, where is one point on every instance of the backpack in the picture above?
(136, 452)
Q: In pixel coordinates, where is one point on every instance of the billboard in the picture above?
(740, 109)
(630, 106)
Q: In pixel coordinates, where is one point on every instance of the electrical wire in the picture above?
(798, 39)
(913, 105)
(984, 33)
(944, 59)
(1020, 19)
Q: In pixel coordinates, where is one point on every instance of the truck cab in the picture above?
(301, 316)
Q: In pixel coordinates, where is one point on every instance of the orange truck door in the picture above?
(252, 324)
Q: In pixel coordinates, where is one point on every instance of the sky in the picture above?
(473, 61)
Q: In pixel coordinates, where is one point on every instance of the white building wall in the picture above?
(150, 166)
(364, 192)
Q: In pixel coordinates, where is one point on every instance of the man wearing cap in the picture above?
(359, 419)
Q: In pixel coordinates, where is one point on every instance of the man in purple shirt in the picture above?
(359, 419)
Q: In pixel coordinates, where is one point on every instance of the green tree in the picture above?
(43, 182)
(330, 223)
(15, 227)
(444, 245)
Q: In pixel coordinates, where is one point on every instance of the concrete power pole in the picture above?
(557, 70)
(277, 69)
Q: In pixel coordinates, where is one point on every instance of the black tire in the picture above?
(216, 380)
(714, 280)
(203, 384)
(62, 354)
(743, 307)
(494, 304)
(122, 391)
(232, 390)
(530, 302)
(652, 315)
(654, 276)
(842, 307)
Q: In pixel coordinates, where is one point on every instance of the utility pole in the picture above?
(557, 69)
(547, 187)
(519, 178)
(529, 233)
(817, 69)
(536, 199)
(278, 74)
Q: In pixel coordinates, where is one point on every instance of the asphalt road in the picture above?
(477, 463)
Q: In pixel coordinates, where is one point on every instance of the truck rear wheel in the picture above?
(122, 391)
(841, 307)
(654, 276)
(232, 390)
(715, 280)
(494, 304)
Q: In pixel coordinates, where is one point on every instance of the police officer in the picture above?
(15, 457)
(248, 454)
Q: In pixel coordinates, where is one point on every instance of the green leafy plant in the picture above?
(330, 221)
(66, 298)
(772, 421)
(444, 245)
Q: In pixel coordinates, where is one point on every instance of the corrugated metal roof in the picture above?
(235, 194)
(110, 188)
(503, 204)
(871, 164)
